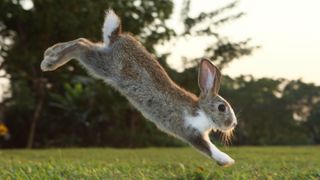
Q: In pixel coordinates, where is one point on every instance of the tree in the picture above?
(313, 124)
(68, 108)
(303, 100)
(48, 22)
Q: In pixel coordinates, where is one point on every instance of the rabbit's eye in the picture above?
(222, 108)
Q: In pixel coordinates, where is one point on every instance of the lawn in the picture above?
(160, 163)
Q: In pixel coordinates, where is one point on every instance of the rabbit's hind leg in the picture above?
(61, 53)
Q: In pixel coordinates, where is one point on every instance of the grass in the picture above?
(160, 163)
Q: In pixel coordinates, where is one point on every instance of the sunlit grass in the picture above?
(160, 163)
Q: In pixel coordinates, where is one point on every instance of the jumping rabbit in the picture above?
(122, 62)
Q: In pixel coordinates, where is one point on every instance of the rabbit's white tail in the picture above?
(111, 27)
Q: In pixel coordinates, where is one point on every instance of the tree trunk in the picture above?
(36, 113)
(133, 119)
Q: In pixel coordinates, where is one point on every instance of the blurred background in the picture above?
(268, 52)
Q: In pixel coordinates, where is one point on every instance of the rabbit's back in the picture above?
(139, 77)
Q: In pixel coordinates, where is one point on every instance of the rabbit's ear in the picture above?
(209, 78)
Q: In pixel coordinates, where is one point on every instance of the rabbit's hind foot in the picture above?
(59, 54)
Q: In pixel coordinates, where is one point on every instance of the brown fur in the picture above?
(127, 66)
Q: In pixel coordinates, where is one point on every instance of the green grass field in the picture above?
(160, 163)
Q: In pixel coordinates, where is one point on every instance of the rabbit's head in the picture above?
(217, 109)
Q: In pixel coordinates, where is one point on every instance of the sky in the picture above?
(287, 31)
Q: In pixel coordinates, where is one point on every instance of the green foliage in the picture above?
(264, 113)
(313, 124)
(75, 110)
(160, 163)
(222, 50)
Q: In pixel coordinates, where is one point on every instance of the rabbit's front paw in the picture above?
(224, 160)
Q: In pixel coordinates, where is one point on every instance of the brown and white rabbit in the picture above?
(124, 63)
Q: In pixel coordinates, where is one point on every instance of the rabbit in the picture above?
(122, 62)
